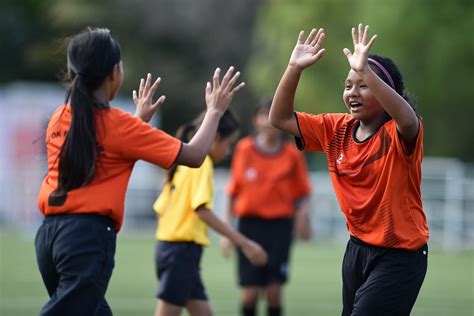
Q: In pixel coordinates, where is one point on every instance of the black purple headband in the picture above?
(386, 73)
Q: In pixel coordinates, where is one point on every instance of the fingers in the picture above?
(147, 84)
(372, 41)
(311, 36)
(318, 54)
(354, 36)
(158, 103)
(234, 79)
(208, 88)
(300, 38)
(318, 38)
(216, 78)
(227, 76)
(238, 88)
(153, 88)
(140, 89)
(135, 97)
(347, 52)
(365, 35)
(359, 33)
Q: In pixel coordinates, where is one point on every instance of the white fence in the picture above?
(448, 184)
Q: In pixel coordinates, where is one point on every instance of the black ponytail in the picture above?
(395, 75)
(92, 56)
(228, 124)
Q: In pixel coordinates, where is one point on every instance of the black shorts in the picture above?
(178, 272)
(275, 237)
(75, 255)
(381, 281)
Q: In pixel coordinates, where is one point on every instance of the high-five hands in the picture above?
(143, 100)
(309, 51)
(360, 38)
(219, 94)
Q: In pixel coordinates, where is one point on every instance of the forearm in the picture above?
(228, 211)
(222, 228)
(394, 104)
(281, 112)
(193, 153)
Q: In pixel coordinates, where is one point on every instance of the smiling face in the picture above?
(360, 101)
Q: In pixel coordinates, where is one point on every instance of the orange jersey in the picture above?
(267, 185)
(376, 182)
(123, 139)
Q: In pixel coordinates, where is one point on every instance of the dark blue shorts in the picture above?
(178, 271)
(275, 236)
(75, 255)
(381, 281)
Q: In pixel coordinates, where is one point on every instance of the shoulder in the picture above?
(245, 143)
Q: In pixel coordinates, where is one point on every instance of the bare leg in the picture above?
(166, 309)
(274, 292)
(199, 308)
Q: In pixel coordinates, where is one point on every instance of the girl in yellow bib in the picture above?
(184, 214)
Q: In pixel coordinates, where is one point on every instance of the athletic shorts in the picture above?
(275, 237)
(178, 272)
(381, 281)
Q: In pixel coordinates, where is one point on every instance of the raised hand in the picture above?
(219, 94)
(358, 59)
(143, 100)
(254, 252)
(308, 52)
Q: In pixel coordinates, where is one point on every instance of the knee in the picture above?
(249, 297)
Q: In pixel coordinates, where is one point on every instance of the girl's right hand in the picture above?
(219, 94)
(254, 252)
(308, 52)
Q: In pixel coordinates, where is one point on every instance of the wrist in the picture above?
(214, 113)
(292, 67)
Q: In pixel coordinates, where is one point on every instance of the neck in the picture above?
(367, 129)
(102, 94)
(268, 142)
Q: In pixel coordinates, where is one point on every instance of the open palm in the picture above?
(308, 52)
(358, 59)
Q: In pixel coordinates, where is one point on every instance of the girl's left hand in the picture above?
(143, 100)
(358, 59)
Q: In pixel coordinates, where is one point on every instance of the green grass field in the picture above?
(314, 289)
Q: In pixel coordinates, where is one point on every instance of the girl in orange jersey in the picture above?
(91, 149)
(374, 159)
(268, 192)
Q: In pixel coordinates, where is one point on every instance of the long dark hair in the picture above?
(91, 57)
(395, 74)
(228, 124)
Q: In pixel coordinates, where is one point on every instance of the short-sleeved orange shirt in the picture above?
(264, 185)
(377, 184)
(123, 139)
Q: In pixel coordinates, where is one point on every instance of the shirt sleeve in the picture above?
(202, 190)
(416, 156)
(317, 130)
(138, 140)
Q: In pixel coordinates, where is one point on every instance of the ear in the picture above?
(115, 73)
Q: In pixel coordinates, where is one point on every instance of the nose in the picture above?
(354, 91)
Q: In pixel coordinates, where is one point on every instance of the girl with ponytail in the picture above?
(91, 149)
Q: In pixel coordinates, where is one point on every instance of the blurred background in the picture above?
(183, 41)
